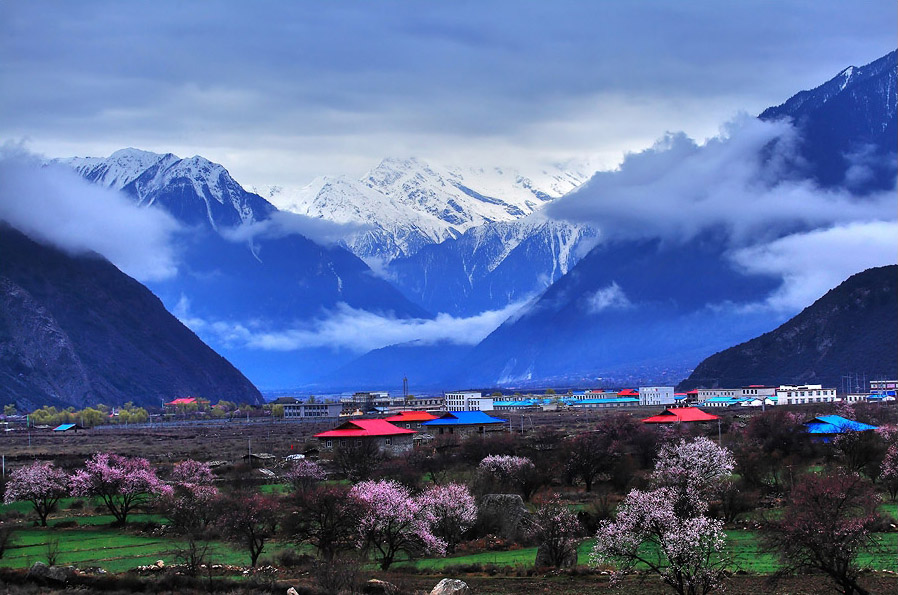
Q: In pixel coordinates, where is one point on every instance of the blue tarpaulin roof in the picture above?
(835, 424)
(64, 427)
(462, 418)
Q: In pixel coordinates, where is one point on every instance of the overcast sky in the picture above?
(279, 92)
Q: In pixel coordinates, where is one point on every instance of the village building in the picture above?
(357, 432)
(185, 404)
(468, 401)
(604, 403)
(464, 423)
(306, 410)
(410, 420)
(656, 395)
(802, 395)
(680, 415)
(824, 428)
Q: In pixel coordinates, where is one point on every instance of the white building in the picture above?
(656, 395)
(803, 395)
(758, 392)
(468, 401)
(311, 410)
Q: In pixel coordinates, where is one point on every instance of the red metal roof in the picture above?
(182, 401)
(680, 414)
(407, 416)
(358, 428)
(628, 392)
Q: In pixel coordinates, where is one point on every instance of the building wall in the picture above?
(312, 410)
(656, 395)
(393, 444)
(468, 401)
(802, 395)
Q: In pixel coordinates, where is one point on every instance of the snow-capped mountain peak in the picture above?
(407, 203)
(192, 189)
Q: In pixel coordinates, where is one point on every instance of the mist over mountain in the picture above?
(852, 329)
(76, 331)
(702, 247)
(848, 127)
(248, 280)
(638, 272)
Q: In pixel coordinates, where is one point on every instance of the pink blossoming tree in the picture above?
(304, 474)
(683, 551)
(888, 473)
(556, 530)
(250, 521)
(393, 521)
(42, 484)
(686, 544)
(452, 510)
(121, 482)
(517, 473)
(826, 524)
(191, 504)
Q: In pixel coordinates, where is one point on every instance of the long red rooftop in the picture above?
(364, 427)
(410, 416)
(680, 414)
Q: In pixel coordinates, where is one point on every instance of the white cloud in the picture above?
(607, 298)
(733, 184)
(283, 223)
(812, 263)
(348, 328)
(54, 205)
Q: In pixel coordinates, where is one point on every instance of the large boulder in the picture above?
(57, 575)
(379, 587)
(503, 514)
(451, 586)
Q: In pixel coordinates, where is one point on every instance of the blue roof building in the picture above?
(824, 427)
(463, 422)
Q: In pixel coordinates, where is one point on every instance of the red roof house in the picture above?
(680, 414)
(352, 434)
(410, 416)
(628, 392)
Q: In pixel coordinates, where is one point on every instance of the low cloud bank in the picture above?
(812, 263)
(53, 205)
(348, 328)
(743, 185)
(283, 223)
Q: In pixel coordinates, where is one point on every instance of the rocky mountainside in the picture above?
(848, 126)
(76, 331)
(238, 291)
(492, 265)
(852, 329)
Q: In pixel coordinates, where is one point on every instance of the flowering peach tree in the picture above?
(122, 483)
(393, 521)
(517, 472)
(190, 505)
(684, 544)
(556, 530)
(888, 473)
(42, 484)
(452, 511)
(250, 521)
(828, 521)
(304, 474)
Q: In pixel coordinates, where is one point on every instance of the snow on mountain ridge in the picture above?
(408, 203)
(149, 177)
